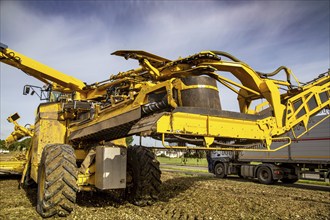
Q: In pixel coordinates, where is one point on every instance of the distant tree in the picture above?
(195, 154)
(129, 140)
(20, 145)
(3, 145)
(14, 146)
(201, 154)
(189, 154)
(26, 143)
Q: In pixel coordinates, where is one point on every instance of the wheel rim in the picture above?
(219, 170)
(264, 175)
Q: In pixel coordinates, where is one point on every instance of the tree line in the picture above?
(17, 146)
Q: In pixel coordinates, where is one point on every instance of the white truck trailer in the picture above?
(304, 157)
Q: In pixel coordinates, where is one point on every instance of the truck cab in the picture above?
(219, 163)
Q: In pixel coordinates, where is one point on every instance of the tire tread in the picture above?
(59, 197)
(146, 176)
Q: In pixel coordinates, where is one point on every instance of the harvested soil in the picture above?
(184, 197)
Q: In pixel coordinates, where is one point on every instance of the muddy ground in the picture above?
(185, 197)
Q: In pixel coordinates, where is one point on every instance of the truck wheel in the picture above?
(289, 170)
(143, 181)
(264, 175)
(219, 170)
(289, 181)
(57, 176)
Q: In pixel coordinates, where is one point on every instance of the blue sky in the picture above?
(77, 37)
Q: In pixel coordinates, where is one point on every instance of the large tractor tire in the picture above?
(143, 179)
(57, 176)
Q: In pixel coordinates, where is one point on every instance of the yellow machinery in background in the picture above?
(19, 131)
(14, 163)
(77, 141)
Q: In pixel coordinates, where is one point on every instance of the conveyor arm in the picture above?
(58, 80)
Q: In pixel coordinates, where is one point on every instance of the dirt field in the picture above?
(185, 197)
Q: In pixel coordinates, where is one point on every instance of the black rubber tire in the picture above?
(143, 182)
(264, 175)
(289, 181)
(289, 170)
(57, 176)
(219, 170)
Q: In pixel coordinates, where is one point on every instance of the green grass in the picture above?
(183, 161)
(188, 170)
(314, 182)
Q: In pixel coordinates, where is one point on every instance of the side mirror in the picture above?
(26, 90)
(43, 94)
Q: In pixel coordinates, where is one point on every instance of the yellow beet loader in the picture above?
(77, 139)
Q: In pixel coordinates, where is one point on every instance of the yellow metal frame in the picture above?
(12, 166)
(50, 128)
(212, 127)
(86, 180)
(310, 128)
(227, 148)
(59, 80)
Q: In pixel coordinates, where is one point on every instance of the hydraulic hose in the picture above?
(228, 55)
(287, 70)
